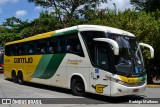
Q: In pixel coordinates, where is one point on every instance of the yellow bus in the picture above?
(84, 58)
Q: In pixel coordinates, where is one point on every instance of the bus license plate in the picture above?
(135, 90)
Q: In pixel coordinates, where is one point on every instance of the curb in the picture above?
(153, 86)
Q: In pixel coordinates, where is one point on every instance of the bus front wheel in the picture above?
(20, 78)
(14, 77)
(77, 87)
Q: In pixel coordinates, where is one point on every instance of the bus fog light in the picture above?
(119, 90)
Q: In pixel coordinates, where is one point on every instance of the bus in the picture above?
(84, 58)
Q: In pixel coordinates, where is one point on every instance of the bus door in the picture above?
(99, 81)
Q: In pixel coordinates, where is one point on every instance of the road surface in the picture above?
(59, 97)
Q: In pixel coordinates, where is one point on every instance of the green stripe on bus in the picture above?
(43, 63)
(65, 32)
(52, 66)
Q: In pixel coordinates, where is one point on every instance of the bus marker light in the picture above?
(119, 90)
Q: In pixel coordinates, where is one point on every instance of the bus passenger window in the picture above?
(30, 51)
(14, 50)
(31, 48)
(8, 50)
(59, 49)
(20, 49)
(51, 50)
(101, 57)
(97, 51)
(72, 45)
(38, 51)
(79, 48)
(69, 48)
(41, 46)
(54, 45)
(43, 51)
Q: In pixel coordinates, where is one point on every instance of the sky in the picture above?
(28, 11)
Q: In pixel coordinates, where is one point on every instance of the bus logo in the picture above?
(23, 60)
(75, 62)
(99, 88)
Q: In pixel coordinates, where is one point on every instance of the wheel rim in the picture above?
(79, 87)
(20, 77)
(14, 77)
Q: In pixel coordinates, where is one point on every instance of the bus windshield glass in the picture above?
(129, 62)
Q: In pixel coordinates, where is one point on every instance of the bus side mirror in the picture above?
(111, 42)
(150, 48)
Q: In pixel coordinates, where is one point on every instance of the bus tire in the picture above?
(14, 77)
(20, 78)
(77, 87)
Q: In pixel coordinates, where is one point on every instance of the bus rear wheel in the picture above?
(20, 78)
(14, 77)
(77, 87)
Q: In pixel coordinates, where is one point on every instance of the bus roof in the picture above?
(104, 28)
(73, 29)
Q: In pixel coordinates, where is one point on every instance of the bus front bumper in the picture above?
(122, 90)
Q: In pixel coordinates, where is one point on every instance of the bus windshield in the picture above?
(129, 62)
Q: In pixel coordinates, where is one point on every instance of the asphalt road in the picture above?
(59, 97)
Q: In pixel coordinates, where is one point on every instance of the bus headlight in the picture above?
(128, 84)
(118, 81)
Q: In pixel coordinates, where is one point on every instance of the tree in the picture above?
(66, 10)
(15, 24)
(3, 29)
(146, 5)
(10, 29)
(46, 22)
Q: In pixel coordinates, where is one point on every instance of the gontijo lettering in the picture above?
(23, 60)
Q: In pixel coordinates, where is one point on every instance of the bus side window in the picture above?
(43, 51)
(41, 46)
(8, 50)
(59, 45)
(14, 50)
(73, 45)
(101, 57)
(30, 51)
(31, 48)
(51, 49)
(20, 49)
(69, 48)
(88, 37)
(53, 46)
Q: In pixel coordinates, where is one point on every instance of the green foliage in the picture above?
(146, 5)
(7, 37)
(46, 22)
(67, 10)
(26, 32)
(14, 28)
